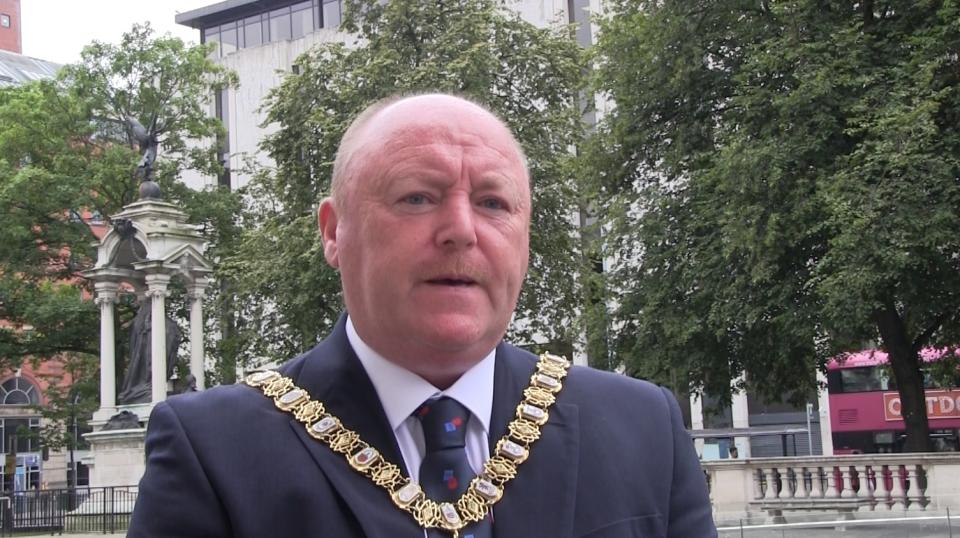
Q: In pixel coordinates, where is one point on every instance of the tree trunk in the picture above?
(905, 364)
(228, 349)
(867, 13)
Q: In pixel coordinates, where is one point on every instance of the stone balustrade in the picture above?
(843, 484)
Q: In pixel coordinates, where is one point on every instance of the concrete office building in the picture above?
(261, 39)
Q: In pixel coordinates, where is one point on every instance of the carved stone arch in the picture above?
(122, 252)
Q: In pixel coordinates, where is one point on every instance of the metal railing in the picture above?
(57, 511)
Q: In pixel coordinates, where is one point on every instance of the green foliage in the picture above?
(70, 399)
(67, 159)
(781, 185)
(163, 83)
(529, 76)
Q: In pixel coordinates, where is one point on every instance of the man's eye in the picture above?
(492, 203)
(415, 199)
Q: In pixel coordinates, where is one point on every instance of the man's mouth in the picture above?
(452, 281)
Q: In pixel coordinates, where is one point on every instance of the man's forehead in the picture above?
(440, 118)
(439, 115)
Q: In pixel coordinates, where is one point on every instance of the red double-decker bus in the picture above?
(865, 406)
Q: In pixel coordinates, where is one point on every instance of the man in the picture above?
(428, 225)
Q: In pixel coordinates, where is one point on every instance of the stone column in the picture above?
(883, 492)
(848, 491)
(771, 478)
(832, 489)
(157, 291)
(196, 294)
(823, 403)
(816, 486)
(106, 297)
(801, 491)
(786, 492)
(865, 494)
(898, 495)
(914, 493)
(696, 420)
(740, 411)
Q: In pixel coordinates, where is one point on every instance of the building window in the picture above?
(301, 17)
(331, 13)
(228, 39)
(83, 475)
(212, 35)
(5, 20)
(16, 435)
(280, 24)
(252, 32)
(19, 391)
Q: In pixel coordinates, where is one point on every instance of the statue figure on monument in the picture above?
(136, 386)
(146, 139)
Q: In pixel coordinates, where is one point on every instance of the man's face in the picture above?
(431, 234)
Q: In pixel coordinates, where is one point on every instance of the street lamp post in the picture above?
(72, 483)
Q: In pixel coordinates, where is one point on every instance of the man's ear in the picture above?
(328, 219)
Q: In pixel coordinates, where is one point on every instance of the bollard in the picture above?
(949, 525)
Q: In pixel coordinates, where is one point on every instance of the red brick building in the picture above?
(10, 26)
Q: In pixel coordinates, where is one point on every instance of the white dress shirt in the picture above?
(401, 392)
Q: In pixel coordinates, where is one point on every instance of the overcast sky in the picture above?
(57, 30)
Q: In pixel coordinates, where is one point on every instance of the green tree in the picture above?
(67, 158)
(480, 49)
(781, 182)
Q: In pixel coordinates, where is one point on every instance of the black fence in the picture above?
(56, 511)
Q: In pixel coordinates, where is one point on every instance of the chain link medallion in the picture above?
(484, 490)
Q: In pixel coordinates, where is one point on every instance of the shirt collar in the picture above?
(401, 391)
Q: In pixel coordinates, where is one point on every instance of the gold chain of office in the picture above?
(484, 490)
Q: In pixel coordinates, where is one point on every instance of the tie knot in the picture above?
(444, 423)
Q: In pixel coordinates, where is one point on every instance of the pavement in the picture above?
(913, 528)
(932, 527)
(70, 535)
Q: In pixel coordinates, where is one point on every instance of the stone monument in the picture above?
(149, 246)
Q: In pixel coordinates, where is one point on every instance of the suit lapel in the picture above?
(332, 374)
(540, 501)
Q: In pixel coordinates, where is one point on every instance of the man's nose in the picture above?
(457, 225)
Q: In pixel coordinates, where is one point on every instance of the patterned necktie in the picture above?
(445, 471)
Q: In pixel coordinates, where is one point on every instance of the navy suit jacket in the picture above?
(614, 460)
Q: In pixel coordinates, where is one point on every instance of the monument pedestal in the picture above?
(116, 465)
(118, 457)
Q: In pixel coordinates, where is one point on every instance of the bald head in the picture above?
(370, 124)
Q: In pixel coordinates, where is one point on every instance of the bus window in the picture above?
(865, 379)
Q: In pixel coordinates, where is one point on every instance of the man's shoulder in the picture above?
(209, 402)
(230, 398)
(585, 383)
(610, 388)
(610, 380)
